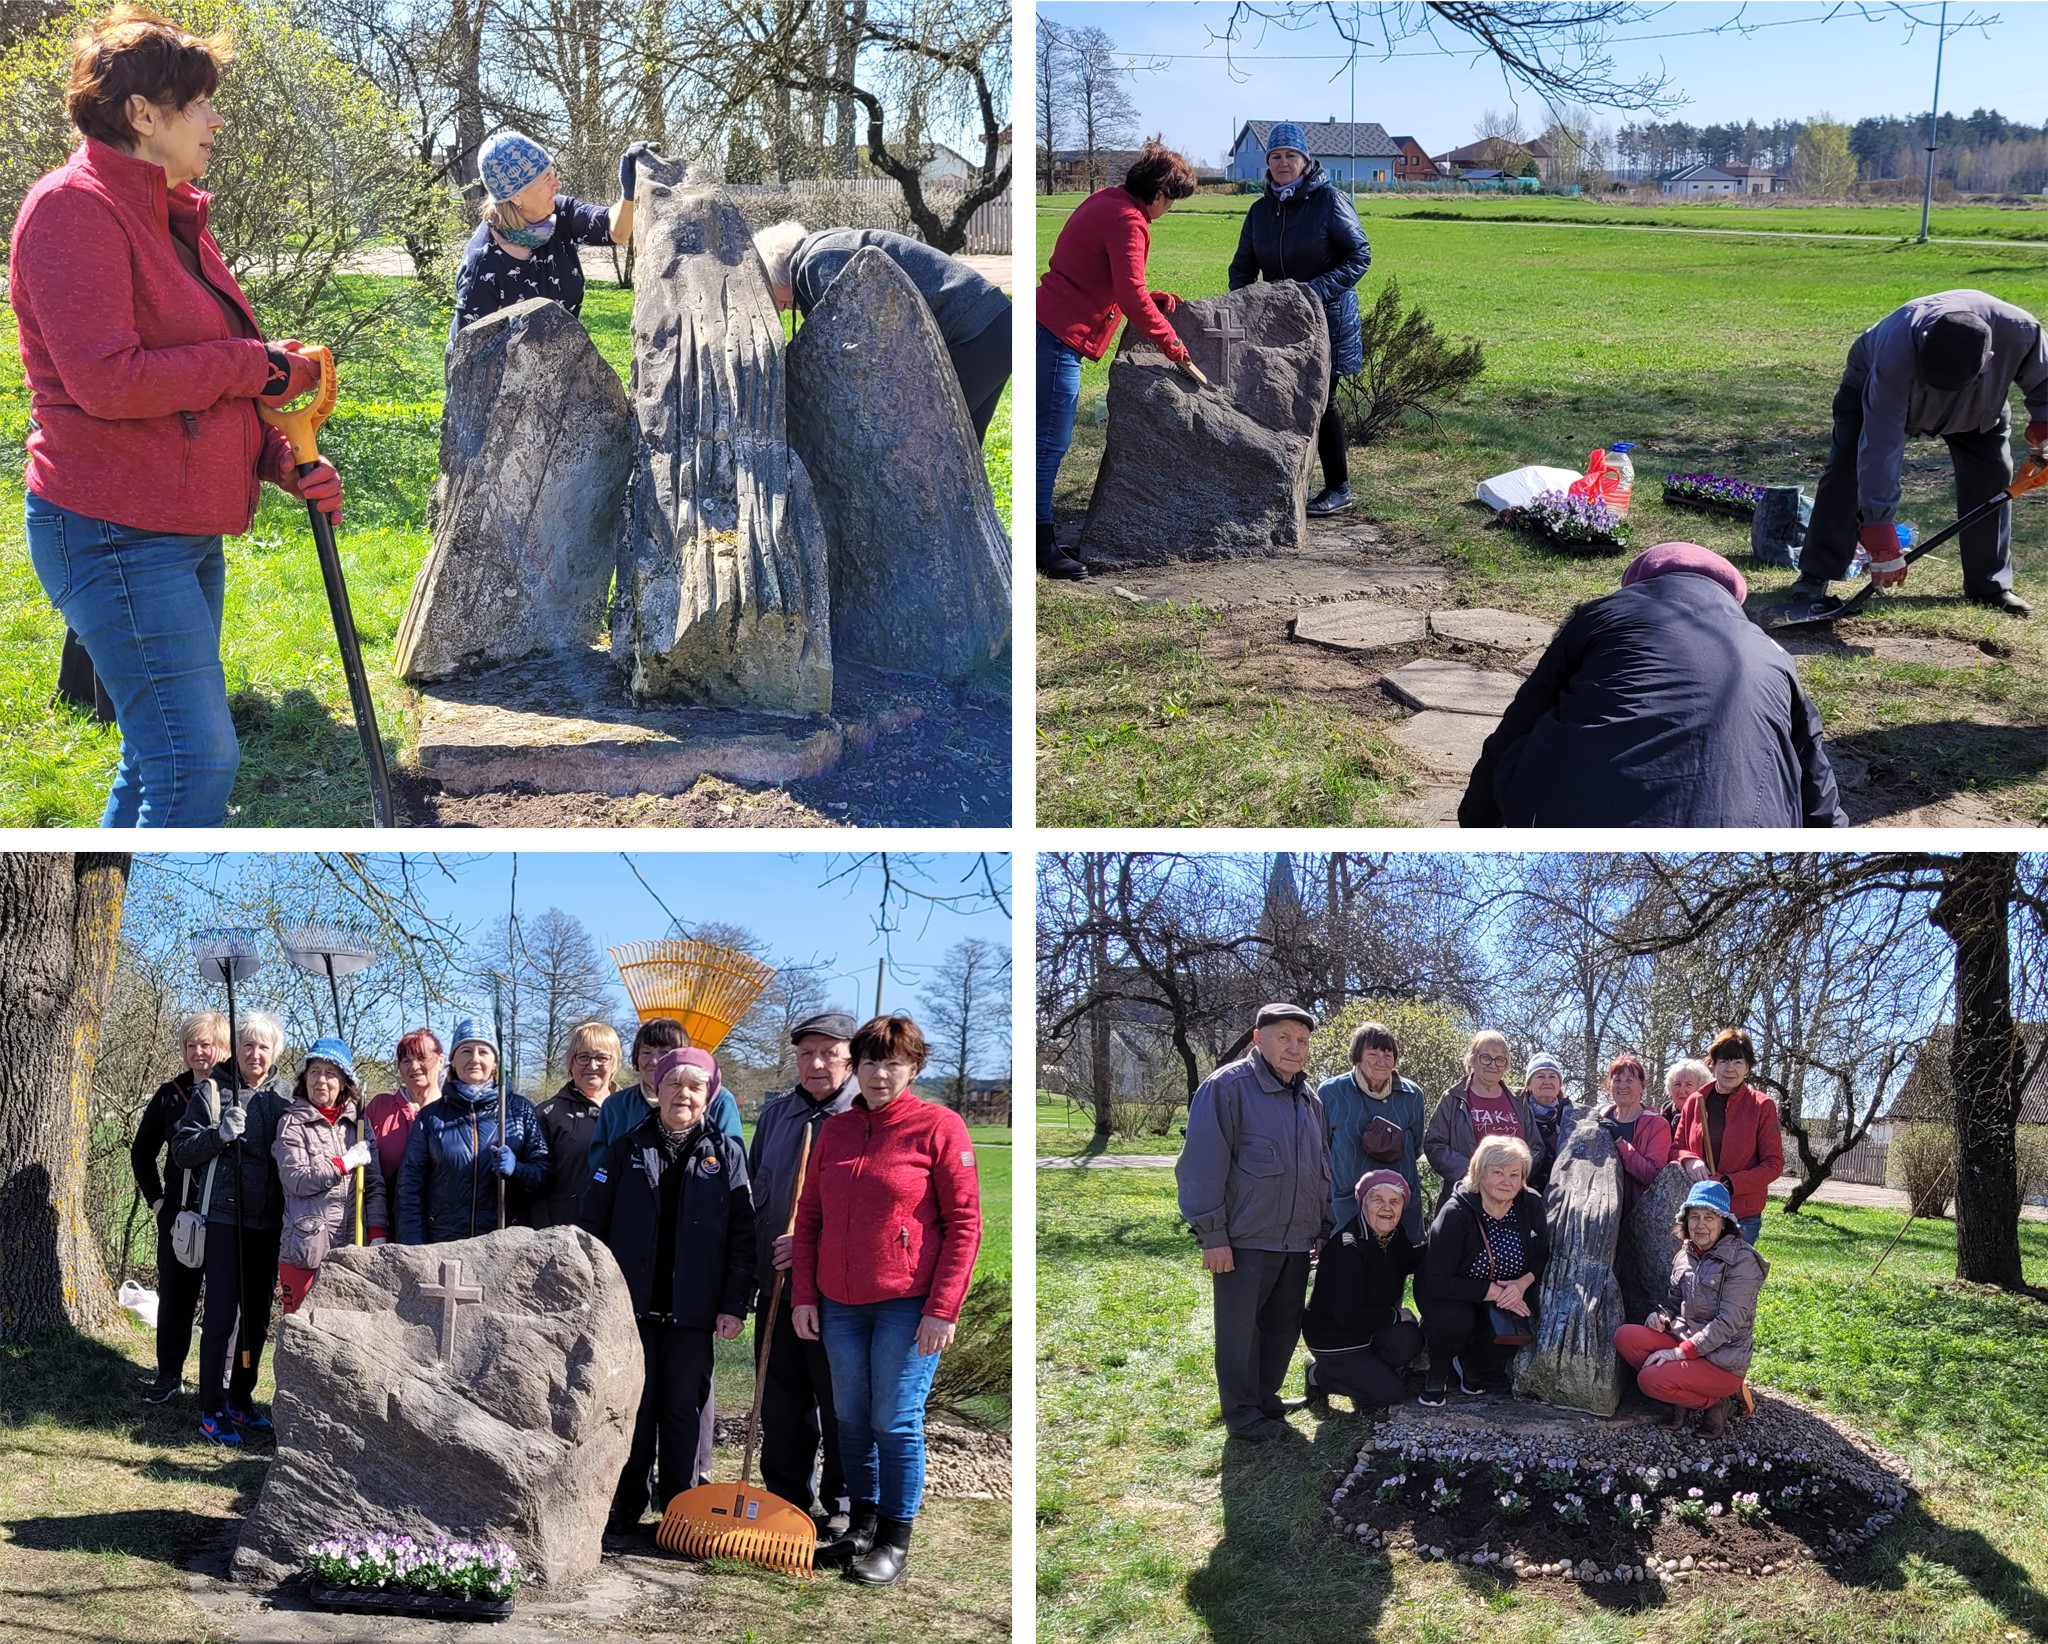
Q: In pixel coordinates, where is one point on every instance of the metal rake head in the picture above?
(228, 954)
(325, 951)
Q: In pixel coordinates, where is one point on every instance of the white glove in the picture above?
(233, 1121)
(357, 1157)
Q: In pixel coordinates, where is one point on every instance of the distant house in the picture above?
(1071, 173)
(1699, 181)
(1929, 1095)
(945, 163)
(1755, 179)
(1348, 149)
(1414, 165)
(1499, 157)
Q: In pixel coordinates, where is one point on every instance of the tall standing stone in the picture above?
(1222, 472)
(483, 1389)
(722, 595)
(1571, 1361)
(536, 440)
(1649, 1239)
(920, 560)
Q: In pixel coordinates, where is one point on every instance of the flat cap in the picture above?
(833, 1024)
(1283, 1013)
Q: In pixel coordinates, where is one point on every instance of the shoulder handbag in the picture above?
(188, 1227)
(1384, 1141)
(1509, 1329)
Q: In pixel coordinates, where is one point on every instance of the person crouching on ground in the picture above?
(144, 366)
(972, 314)
(1660, 705)
(674, 1207)
(456, 1155)
(333, 1184)
(526, 245)
(886, 1235)
(1691, 1354)
(1481, 1271)
(1360, 1337)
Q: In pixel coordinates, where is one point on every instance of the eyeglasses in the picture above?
(1490, 1061)
(593, 1058)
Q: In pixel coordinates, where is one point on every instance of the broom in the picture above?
(738, 1520)
(700, 984)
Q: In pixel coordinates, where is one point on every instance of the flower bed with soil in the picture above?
(1622, 1504)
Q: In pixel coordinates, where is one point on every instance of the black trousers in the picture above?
(797, 1417)
(1370, 1373)
(1459, 1329)
(982, 363)
(225, 1330)
(177, 1304)
(1983, 465)
(673, 1398)
(1258, 1307)
(1330, 447)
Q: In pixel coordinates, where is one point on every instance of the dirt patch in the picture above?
(972, 1463)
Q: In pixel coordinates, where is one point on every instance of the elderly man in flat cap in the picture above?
(796, 1403)
(1941, 366)
(1255, 1187)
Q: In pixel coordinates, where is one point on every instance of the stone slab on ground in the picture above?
(1452, 687)
(1445, 742)
(1361, 625)
(569, 725)
(1502, 630)
(1343, 531)
(1526, 665)
(1287, 582)
(1434, 806)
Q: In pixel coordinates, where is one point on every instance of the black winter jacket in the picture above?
(196, 1143)
(1311, 236)
(772, 1161)
(1455, 1242)
(444, 1191)
(152, 1137)
(570, 1120)
(1359, 1287)
(714, 1248)
(1661, 706)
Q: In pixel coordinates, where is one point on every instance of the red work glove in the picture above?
(2037, 437)
(1168, 302)
(301, 373)
(322, 488)
(1887, 559)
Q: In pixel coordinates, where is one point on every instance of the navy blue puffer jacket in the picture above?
(445, 1191)
(1312, 236)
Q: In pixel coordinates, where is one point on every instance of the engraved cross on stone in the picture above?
(450, 1293)
(1229, 331)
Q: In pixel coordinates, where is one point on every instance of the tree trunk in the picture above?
(1984, 1063)
(60, 920)
(1095, 877)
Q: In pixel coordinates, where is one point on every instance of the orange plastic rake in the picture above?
(700, 984)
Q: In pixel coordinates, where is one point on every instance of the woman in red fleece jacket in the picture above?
(1096, 277)
(144, 365)
(1728, 1132)
(886, 1235)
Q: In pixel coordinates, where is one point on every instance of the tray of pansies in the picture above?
(397, 1575)
(1714, 493)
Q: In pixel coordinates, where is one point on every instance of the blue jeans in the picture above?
(1059, 394)
(146, 605)
(879, 1386)
(1751, 1226)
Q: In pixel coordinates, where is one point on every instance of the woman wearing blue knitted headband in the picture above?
(526, 245)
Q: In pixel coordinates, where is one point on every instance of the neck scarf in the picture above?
(675, 1143)
(331, 1114)
(1286, 192)
(474, 1093)
(530, 238)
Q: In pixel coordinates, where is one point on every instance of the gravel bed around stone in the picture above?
(1599, 1504)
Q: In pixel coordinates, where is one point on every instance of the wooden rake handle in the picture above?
(803, 1164)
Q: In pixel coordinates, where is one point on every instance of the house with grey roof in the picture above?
(1348, 149)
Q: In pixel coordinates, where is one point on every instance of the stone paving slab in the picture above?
(1480, 625)
(1287, 582)
(1526, 665)
(1444, 742)
(1435, 806)
(1361, 625)
(1454, 687)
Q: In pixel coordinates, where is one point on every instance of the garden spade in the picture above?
(226, 956)
(301, 425)
(1811, 613)
(738, 1520)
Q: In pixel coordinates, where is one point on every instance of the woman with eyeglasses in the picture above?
(570, 1119)
(1481, 1104)
(1728, 1132)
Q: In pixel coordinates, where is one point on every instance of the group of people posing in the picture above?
(848, 1225)
(1279, 1179)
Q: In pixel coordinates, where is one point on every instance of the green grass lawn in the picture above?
(1146, 1527)
(301, 760)
(1716, 353)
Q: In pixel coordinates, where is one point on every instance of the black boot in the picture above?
(883, 1564)
(1054, 561)
(859, 1537)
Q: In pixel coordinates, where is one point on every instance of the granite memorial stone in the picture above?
(1649, 1240)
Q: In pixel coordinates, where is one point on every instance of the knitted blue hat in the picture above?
(1708, 1196)
(1542, 1062)
(335, 1051)
(470, 1028)
(1287, 135)
(508, 162)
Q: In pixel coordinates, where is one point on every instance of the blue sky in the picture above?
(1861, 63)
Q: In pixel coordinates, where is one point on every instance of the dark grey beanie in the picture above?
(1952, 350)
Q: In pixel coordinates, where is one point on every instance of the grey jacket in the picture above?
(1449, 1138)
(320, 1201)
(1712, 1303)
(1897, 404)
(1255, 1172)
(771, 1165)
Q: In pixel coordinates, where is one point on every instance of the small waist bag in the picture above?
(188, 1227)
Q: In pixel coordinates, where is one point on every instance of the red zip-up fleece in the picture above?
(891, 1207)
(1096, 276)
(142, 394)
